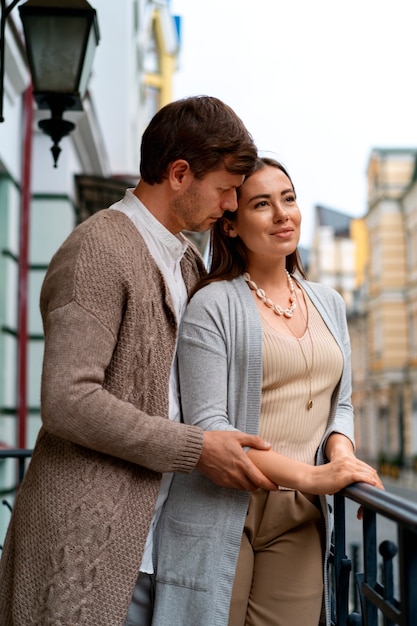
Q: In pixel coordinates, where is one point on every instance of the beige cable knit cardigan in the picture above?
(82, 514)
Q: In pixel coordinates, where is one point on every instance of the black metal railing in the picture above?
(21, 455)
(361, 598)
(375, 586)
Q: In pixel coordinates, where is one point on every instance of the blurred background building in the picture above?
(372, 262)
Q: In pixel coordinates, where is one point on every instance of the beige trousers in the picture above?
(279, 575)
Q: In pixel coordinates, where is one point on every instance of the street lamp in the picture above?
(61, 37)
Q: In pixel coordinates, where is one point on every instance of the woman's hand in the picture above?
(338, 447)
(341, 472)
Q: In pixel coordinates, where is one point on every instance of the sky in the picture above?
(318, 83)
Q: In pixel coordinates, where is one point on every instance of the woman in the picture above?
(264, 351)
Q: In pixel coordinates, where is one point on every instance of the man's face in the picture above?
(204, 201)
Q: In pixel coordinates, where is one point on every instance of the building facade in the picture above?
(372, 262)
(40, 205)
(389, 304)
(332, 255)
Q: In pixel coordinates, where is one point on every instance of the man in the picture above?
(111, 302)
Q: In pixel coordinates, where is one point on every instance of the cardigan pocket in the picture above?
(183, 554)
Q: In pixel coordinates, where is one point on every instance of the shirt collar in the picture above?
(141, 216)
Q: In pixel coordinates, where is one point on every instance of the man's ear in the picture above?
(179, 172)
(229, 228)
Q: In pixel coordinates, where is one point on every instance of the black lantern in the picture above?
(61, 37)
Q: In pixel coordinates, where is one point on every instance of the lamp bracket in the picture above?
(55, 126)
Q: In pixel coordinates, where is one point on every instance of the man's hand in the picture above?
(225, 462)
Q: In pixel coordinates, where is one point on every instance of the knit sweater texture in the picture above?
(82, 514)
(220, 364)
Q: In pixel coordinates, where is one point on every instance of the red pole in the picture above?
(22, 327)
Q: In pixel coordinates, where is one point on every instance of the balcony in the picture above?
(384, 591)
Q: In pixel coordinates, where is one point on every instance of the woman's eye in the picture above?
(261, 204)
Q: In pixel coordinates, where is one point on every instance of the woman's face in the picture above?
(268, 218)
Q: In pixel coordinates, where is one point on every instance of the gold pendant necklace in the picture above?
(309, 370)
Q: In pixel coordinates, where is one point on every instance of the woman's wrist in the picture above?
(338, 445)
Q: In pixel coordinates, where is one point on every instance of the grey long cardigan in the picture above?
(220, 360)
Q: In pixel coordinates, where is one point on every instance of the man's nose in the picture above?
(229, 202)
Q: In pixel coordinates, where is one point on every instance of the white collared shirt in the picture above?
(167, 250)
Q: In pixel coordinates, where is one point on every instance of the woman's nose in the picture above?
(280, 214)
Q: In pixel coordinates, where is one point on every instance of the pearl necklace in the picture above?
(271, 305)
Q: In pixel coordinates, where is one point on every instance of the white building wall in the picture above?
(116, 82)
(106, 142)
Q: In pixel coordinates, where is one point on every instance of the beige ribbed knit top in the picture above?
(288, 363)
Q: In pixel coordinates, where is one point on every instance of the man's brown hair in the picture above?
(202, 130)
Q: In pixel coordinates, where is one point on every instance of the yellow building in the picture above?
(384, 330)
(160, 60)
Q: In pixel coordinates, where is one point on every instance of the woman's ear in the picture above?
(229, 228)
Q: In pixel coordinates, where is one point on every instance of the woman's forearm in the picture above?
(315, 479)
(283, 470)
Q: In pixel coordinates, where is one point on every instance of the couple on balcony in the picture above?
(180, 473)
